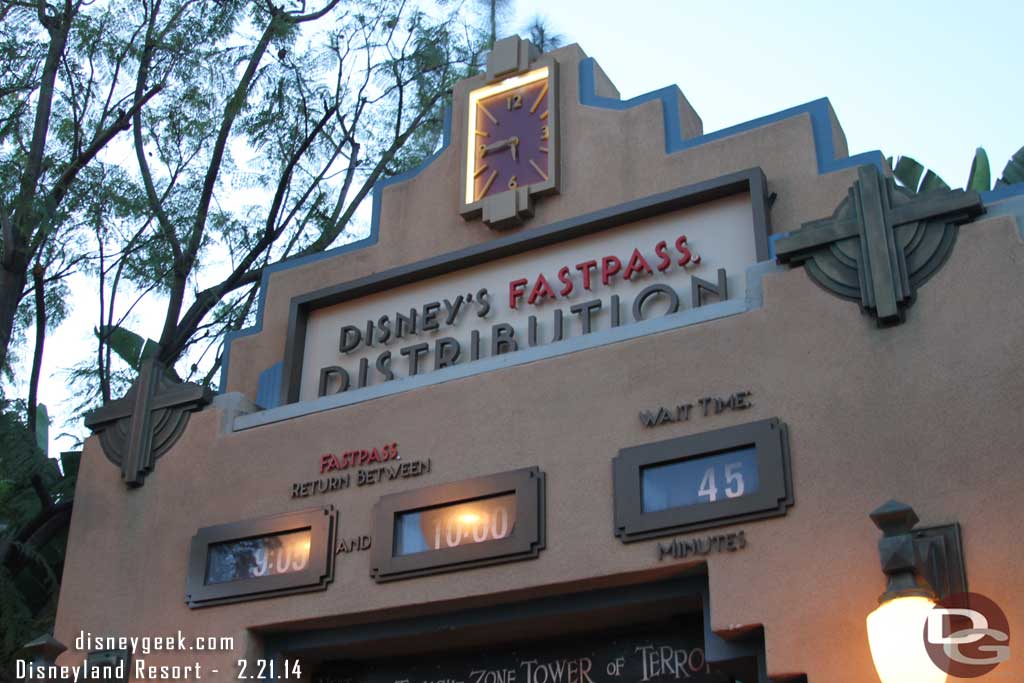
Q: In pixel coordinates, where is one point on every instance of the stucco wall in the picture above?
(928, 412)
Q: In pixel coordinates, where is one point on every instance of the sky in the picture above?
(933, 80)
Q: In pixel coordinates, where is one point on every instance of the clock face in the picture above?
(509, 136)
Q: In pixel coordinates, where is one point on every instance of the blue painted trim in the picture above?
(773, 238)
(821, 126)
(268, 391)
(1002, 192)
(368, 241)
(1012, 205)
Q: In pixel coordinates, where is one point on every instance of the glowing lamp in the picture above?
(921, 564)
(895, 631)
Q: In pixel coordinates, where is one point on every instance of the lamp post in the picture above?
(922, 565)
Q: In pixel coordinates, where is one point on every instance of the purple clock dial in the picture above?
(511, 138)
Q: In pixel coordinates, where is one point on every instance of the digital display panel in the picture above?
(249, 558)
(455, 524)
(695, 481)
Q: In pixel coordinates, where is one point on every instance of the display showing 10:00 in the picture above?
(269, 669)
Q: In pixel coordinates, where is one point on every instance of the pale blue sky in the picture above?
(932, 80)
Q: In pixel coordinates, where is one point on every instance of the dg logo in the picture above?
(967, 635)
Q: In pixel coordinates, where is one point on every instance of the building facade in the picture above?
(601, 397)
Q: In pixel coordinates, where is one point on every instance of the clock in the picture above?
(511, 140)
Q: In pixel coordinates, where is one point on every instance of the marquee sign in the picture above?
(659, 256)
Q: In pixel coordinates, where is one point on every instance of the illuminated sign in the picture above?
(455, 524)
(486, 520)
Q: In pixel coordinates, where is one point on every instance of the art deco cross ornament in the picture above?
(881, 244)
(143, 425)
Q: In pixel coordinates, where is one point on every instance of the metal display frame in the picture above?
(319, 571)
(525, 542)
(773, 498)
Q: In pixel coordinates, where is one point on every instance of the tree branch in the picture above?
(58, 30)
(123, 122)
(37, 355)
(208, 298)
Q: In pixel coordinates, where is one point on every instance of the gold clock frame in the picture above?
(511, 63)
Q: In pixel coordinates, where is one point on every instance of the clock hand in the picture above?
(500, 145)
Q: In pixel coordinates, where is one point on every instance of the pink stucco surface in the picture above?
(928, 412)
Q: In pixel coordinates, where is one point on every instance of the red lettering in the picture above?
(585, 268)
(637, 263)
(683, 250)
(661, 249)
(563, 277)
(610, 265)
(516, 290)
(541, 289)
(328, 462)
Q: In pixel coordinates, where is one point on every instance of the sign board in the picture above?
(662, 654)
(580, 279)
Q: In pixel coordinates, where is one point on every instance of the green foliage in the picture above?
(129, 346)
(29, 585)
(21, 620)
(980, 178)
(254, 133)
(1013, 172)
(912, 175)
(20, 460)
